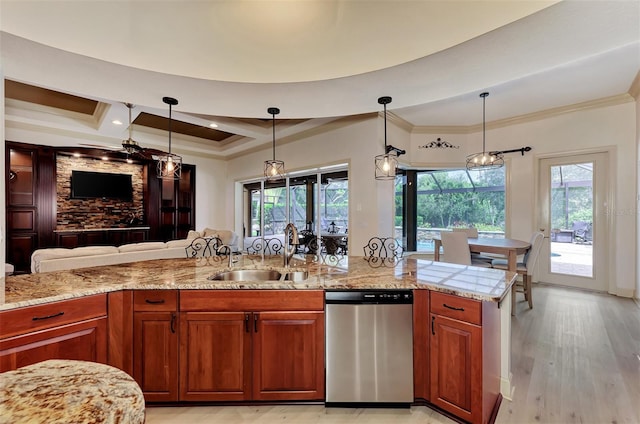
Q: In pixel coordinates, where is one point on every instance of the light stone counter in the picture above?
(331, 272)
(64, 392)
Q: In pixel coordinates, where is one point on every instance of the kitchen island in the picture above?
(174, 303)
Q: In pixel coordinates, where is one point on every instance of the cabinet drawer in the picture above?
(33, 318)
(251, 300)
(456, 307)
(155, 300)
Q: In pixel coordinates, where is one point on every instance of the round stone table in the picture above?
(65, 391)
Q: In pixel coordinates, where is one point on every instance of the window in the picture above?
(300, 206)
(428, 202)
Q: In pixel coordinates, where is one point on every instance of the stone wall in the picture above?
(95, 213)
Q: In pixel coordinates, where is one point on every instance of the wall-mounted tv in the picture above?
(104, 185)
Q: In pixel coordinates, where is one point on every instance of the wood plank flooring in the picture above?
(574, 361)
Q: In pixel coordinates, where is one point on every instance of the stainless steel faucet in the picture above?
(226, 249)
(290, 242)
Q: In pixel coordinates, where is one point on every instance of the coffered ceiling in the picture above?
(71, 65)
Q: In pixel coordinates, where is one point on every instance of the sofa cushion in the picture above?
(179, 243)
(60, 253)
(135, 247)
(193, 234)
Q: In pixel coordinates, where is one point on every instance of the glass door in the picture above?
(573, 194)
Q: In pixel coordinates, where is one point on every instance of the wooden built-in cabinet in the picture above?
(155, 344)
(251, 345)
(97, 237)
(70, 329)
(464, 356)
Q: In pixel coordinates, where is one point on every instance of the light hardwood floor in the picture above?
(575, 360)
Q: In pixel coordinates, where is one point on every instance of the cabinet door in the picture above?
(288, 358)
(456, 367)
(155, 363)
(215, 356)
(85, 341)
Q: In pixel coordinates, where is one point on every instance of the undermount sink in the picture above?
(259, 275)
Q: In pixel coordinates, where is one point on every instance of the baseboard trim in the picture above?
(506, 388)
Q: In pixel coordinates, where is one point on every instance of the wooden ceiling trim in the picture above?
(161, 123)
(42, 96)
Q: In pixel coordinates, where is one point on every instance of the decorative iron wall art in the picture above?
(438, 144)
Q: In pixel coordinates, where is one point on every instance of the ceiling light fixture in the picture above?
(213, 125)
(130, 145)
(116, 122)
(169, 165)
(387, 164)
(273, 169)
(484, 160)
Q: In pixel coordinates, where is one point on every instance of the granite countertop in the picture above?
(64, 391)
(353, 272)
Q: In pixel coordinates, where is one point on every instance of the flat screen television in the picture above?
(103, 185)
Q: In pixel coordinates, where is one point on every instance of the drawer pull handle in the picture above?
(453, 307)
(59, 314)
(155, 302)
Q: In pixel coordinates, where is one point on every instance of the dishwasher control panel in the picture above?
(369, 296)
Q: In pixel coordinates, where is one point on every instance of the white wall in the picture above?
(352, 141)
(585, 130)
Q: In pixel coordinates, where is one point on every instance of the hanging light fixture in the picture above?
(484, 160)
(273, 169)
(387, 164)
(130, 145)
(169, 165)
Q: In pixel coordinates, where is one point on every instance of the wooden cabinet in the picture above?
(155, 344)
(421, 376)
(215, 352)
(251, 345)
(288, 356)
(170, 204)
(97, 237)
(30, 201)
(464, 357)
(71, 329)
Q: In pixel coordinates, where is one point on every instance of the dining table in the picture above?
(510, 248)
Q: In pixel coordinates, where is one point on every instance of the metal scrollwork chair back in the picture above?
(383, 249)
(270, 246)
(202, 247)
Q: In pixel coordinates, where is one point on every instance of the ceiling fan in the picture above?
(130, 147)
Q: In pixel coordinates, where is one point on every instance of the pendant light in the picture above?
(169, 165)
(273, 169)
(130, 145)
(484, 160)
(387, 164)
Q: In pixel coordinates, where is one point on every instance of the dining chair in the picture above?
(456, 249)
(525, 269)
(471, 232)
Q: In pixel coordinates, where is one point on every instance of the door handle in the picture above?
(255, 321)
(246, 322)
(59, 314)
(173, 323)
(433, 325)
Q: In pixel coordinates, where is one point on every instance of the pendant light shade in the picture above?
(130, 146)
(169, 165)
(484, 160)
(387, 164)
(274, 169)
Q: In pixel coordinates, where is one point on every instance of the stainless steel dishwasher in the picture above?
(369, 348)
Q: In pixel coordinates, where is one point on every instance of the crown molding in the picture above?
(634, 89)
(530, 117)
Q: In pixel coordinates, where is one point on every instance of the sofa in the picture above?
(59, 259)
